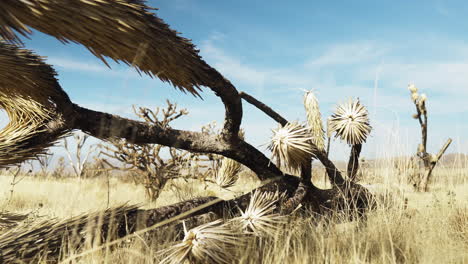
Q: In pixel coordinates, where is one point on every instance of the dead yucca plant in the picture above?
(260, 218)
(213, 242)
(314, 119)
(350, 122)
(291, 146)
(28, 93)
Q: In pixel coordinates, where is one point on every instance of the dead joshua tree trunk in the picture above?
(429, 160)
(183, 67)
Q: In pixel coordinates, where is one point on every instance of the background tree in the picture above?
(420, 179)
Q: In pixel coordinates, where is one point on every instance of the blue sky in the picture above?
(274, 50)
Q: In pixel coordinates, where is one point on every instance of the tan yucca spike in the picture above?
(124, 30)
(28, 92)
(314, 119)
(350, 122)
(228, 173)
(291, 146)
(209, 243)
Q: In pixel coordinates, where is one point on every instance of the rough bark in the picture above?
(353, 163)
(422, 181)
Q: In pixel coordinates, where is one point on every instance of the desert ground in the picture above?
(405, 227)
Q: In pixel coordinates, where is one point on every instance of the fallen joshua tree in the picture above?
(41, 112)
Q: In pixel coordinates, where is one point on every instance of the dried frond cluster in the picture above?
(209, 243)
(260, 218)
(350, 122)
(215, 242)
(291, 146)
(124, 30)
(28, 93)
(314, 119)
(50, 237)
(228, 173)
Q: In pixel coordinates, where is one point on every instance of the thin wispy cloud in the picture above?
(76, 65)
(348, 54)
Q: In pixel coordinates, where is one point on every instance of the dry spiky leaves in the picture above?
(28, 93)
(314, 119)
(350, 122)
(291, 146)
(124, 30)
(27, 244)
(209, 243)
(228, 174)
(260, 218)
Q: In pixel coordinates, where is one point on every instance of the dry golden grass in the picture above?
(406, 227)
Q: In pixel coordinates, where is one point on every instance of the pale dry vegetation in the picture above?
(213, 197)
(406, 227)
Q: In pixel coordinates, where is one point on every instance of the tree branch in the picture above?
(425, 181)
(106, 126)
(266, 109)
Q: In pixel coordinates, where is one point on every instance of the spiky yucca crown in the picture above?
(314, 119)
(291, 146)
(260, 218)
(124, 30)
(29, 93)
(350, 122)
(215, 242)
(209, 243)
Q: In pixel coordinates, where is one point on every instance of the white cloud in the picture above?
(231, 67)
(347, 54)
(91, 67)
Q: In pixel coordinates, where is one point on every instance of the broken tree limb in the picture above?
(426, 178)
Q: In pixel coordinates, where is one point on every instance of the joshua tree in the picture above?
(41, 112)
(420, 179)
